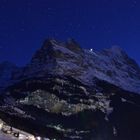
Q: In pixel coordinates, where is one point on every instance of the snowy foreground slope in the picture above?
(4, 137)
(67, 58)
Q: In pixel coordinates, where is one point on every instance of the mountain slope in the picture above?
(67, 58)
(63, 108)
(69, 93)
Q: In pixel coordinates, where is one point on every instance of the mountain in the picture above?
(67, 58)
(69, 93)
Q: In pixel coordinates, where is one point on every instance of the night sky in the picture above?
(97, 24)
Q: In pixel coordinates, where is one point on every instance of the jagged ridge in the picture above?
(67, 58)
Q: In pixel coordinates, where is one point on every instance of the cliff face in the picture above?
(63, 108)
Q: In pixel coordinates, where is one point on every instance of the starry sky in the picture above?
(97, 24)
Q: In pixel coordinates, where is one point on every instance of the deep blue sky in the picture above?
(97, 24)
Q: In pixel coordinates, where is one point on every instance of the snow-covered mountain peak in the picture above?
(70, 44)
(68, 58)
(73, 45)
(50, 43)
(53, 49)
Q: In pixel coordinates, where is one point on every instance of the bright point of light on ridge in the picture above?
(91, 50)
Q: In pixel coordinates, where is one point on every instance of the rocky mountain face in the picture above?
(69, 93)
(67, 58)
